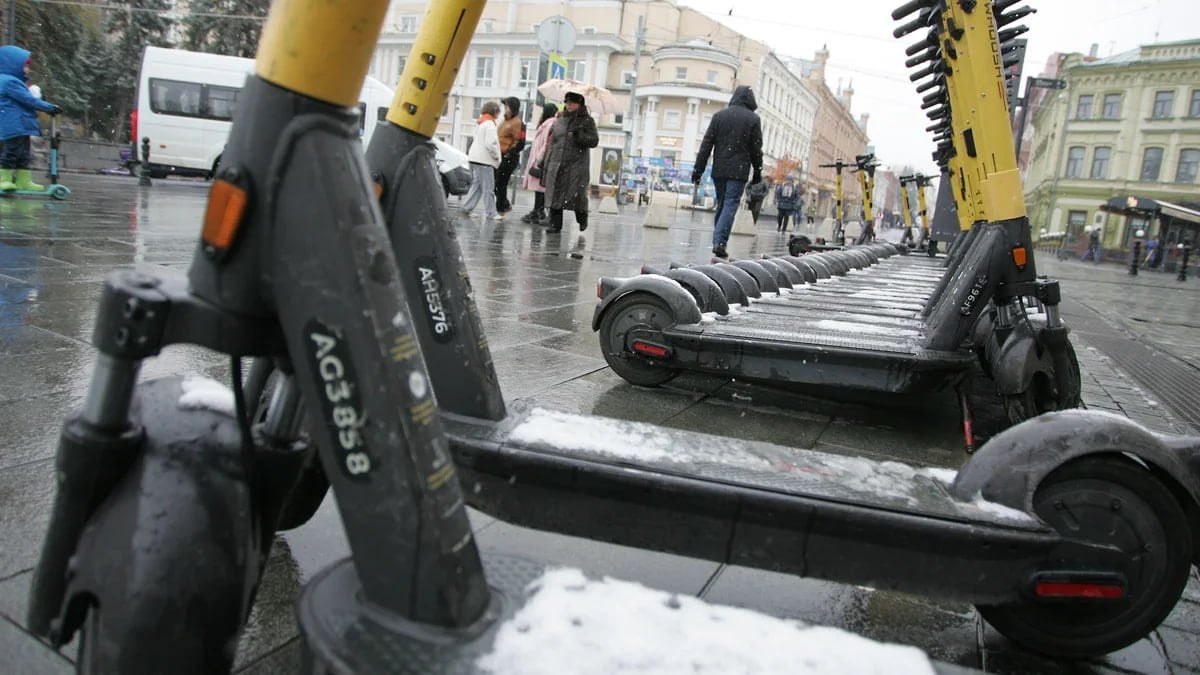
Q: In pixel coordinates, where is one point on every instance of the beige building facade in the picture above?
(687, 70)
(835, 135)
(1127, 126)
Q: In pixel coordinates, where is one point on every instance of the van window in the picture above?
(192, 99)
(381, 114)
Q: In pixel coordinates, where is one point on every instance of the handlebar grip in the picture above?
(931, 40)
(912, 26)
(917, 60)
(912, 6)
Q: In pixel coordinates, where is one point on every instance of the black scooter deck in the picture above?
(848, 519)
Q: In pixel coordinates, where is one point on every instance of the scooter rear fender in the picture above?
(1011, 466)
(175, 551)
(681, 303)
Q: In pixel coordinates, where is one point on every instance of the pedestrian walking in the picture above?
(511, 133)
(535, 175)
(484, 156)
(18, 119)
(567, 169)
(734, 139)
(756, 194)
(1151, 253)
(812, 213)
(1093, 249)
(787, 196)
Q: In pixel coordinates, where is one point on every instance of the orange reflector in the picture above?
(649, 349)
(1059, 589)
(378, 187)
(226, 205)
(1019, 256)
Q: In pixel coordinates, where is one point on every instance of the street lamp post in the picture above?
(1137, 252)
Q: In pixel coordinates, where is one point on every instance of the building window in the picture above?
(672, 119)
(711, 77)
(577, 70)
(487, 26)
(1151, 163)
(1112, 106)
(618, 118)
(1189, 162)
(706, 121)
(1163, 102)
(628, 77)
(589, 30)
(692, 108)
(681, 72)
(1083, 109)
(407, 24)
(1076, 220)
(484, 65)
(1194, 106)
(477, 107)
(529, 74)
(1100, 157)
(400, 64)
(1075, 162)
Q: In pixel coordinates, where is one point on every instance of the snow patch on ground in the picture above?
(945, 476)
(203, 393)
(573, 624)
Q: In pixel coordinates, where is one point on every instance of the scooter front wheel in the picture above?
(632, 312)
(1115, 502)
(59, 192)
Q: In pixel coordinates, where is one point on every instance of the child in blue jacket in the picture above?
(18, 119)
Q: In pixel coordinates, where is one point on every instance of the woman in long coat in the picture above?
(541, 143)
(567, 171)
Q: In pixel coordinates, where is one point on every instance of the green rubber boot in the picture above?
(25, 181)
(6, 180)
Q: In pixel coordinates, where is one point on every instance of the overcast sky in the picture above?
(859, 35)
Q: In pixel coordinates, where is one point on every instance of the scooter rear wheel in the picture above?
(1119, 503)
(634, 311)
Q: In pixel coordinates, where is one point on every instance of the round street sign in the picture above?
(556, 35)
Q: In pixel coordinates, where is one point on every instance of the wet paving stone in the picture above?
(26, 492)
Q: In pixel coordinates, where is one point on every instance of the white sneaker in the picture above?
(497, 217)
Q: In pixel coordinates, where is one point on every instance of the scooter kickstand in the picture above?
(968, 418)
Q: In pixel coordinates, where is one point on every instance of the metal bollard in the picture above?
(1137, 255)
(1187, 250)
(144, 179)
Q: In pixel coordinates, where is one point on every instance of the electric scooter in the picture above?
(54, 189)
(1072, 533)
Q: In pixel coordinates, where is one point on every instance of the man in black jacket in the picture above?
(734, 138)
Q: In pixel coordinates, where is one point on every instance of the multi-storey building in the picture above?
(687, 70)
(1119, 149)
(836, 135)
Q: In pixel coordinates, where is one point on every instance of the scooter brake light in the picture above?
(1066, 589)
(650, 349)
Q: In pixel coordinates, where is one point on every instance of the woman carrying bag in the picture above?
(534, 175)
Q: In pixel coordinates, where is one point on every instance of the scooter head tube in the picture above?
(421, 230)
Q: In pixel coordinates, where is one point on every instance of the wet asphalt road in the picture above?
(536, 293)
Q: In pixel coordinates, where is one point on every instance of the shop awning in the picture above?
(1180, 212)
(1133, 205)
